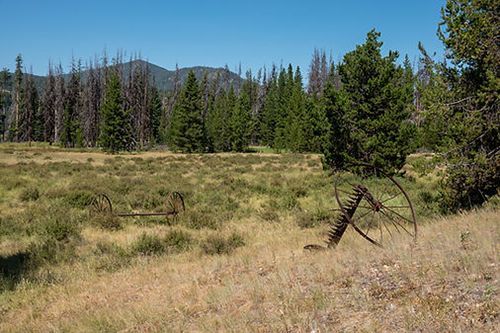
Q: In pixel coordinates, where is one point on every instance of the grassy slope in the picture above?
(448, 282)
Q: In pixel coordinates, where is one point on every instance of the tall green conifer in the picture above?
(116, 132)
(187, 127)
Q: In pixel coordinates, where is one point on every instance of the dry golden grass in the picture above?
(448, 281)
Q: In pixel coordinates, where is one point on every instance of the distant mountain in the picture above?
(163, 78)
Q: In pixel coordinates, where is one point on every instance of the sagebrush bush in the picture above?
(269, 214)
(29, 194)
(148, 244)
(79, 198)
(60, 228)
(217, 244)
(195, 219)
(177, 241)
(110, 257)
(51, 251)
(9, 226)
(289, 201)
(106, 221)
(305, 220)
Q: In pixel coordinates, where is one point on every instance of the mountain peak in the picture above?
(163, 79)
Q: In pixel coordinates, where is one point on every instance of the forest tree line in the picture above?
(272, 108)
(369, 107)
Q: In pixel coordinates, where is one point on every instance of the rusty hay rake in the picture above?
(174, 205)
(374, 204)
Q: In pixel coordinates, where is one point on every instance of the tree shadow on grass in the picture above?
(12, 269)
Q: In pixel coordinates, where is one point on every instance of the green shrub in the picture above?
(305, 220)
(30, 194)
(111, 257)
(9, 226)
(269, 214)
(426, 197)
(195, 219)
(217, 244)
(470, 183)
(60, 228)
(106, 221)
(50, 251)
(79, 199)
(175, 241)
(149, 245)
(289, 201)
(178, 241)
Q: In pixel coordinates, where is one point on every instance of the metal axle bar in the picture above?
(144, 214)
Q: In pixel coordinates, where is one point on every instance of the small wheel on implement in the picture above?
(101, 204)
(175, 203)
(384, 210)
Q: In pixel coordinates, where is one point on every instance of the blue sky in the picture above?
(212, 33)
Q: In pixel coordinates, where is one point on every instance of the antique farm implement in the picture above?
(174, 204)
(374, 204)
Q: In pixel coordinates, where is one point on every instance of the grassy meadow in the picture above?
(234, 261)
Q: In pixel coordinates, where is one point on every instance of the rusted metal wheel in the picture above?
(175, 203)
(101, 204)
(375, 205)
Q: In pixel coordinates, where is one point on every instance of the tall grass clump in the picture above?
(217, 244)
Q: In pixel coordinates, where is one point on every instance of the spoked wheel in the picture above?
(101, 204)
(175, 203)
(376, 205)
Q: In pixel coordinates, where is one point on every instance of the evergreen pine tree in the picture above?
(297, 124)
(469, 31)
(187, 132)
(241, 121)
(156, 109)
(269, 111)
(378, 106)
(285, 87)
(335, 104)
(71, 135)
(47, 106)
(218, 120)
(116, 132)
(318, 126)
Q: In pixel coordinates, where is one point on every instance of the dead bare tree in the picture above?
(60, 92)
(92, 95)
(48, 105)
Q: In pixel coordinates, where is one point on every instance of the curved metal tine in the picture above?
(351, 184)
(344, 191)
(396, 221)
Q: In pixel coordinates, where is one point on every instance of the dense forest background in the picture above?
(369, 107)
